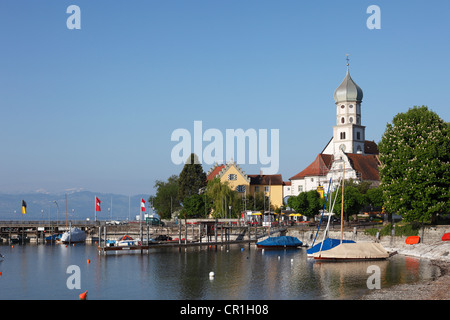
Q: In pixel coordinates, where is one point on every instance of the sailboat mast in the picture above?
(342, 204)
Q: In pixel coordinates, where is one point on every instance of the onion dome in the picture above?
(348, 90)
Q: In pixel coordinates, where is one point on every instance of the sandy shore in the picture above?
(434, 289)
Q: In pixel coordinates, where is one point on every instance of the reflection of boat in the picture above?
(73, 235)
(279, 242)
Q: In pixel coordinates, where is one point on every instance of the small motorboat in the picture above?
(279, 243)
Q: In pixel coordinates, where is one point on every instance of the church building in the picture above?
(347, 150)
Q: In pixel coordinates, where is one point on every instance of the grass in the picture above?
(401, 229)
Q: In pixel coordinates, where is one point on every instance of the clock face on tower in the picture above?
(342, 147)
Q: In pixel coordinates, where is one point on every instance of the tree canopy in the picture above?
(415, 171)
(166, 199)
(192, 178)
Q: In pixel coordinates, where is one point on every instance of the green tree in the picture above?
(196, 206)
(222, 196)
(166, 199)
(192, 178)
(306, 203)
(415, 170)
(353, 201)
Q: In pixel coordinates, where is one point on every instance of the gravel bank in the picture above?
(435, 289)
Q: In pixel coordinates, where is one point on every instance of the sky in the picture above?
(94, 108)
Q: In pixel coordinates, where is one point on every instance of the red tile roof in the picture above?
(319, 167)
(370, 147)
(215, 171)
(366, 165)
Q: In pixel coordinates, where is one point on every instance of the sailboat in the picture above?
(280, 242)
(327, 243)
(347, 251)
(73, 235)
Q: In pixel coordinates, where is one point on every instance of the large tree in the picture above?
(166, 199)
(415, 170)
(192, 178)
(222, 196)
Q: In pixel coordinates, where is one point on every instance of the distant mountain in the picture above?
(80, 205)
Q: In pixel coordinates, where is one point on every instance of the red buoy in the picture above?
(83, 296)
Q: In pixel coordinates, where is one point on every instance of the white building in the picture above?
(346, 149)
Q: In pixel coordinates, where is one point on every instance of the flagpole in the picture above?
(95, 208)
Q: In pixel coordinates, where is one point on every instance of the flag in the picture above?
(24, 207)
(142, 205)
(97, 204)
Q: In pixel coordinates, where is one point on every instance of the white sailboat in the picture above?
(350, 251)
(74, 235)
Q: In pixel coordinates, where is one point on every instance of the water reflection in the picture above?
(241, 272)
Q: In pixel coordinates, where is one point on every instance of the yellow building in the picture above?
(271, 185)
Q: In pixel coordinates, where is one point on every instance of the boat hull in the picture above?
(74, 235)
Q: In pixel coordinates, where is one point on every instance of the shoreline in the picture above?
(433, 289)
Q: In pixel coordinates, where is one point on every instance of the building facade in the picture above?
(348, 150)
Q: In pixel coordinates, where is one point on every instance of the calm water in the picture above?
(40, 272)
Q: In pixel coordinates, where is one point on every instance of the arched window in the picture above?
(342, 135)
(342, 120)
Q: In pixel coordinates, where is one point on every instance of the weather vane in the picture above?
(347, 59)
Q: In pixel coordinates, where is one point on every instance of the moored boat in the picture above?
(353, 252)
(279, 243)
(325, 245)
(74, 235)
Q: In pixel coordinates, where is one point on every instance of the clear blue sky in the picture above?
(95, 108)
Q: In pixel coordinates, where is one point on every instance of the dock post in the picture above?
(200, 232)
(179, 232)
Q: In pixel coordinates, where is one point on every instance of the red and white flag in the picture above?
(142, 205)
(97, 204)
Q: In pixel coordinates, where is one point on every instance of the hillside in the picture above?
(80, 205)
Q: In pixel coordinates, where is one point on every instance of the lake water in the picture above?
(241, 272)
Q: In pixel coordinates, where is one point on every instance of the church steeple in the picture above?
(348, 133)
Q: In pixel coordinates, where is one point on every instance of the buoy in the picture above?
(0, 273)
(278, 257)
(211, 275)
(88, 260)
(12, 246)
(73, 245)
(66, 245)
(83, 296)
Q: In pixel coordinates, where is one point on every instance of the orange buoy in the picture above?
(12, 246)
(83, 296)
(412, 240)
(88, 260)
(73, 245)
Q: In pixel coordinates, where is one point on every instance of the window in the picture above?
(342, 135)
(342, 120)
(300, 188)
(232, 177)
(256, 189)
(350, 106)
(312, 179)
(266, 189)
(350, 119)
(342, 107)
(358, 135)
(240, 188)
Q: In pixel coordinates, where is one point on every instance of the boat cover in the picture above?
(361, 250)
(73, 235)
(446, 237)
(328, 243)
(280, 241)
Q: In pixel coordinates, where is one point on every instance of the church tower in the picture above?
(348, 133)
